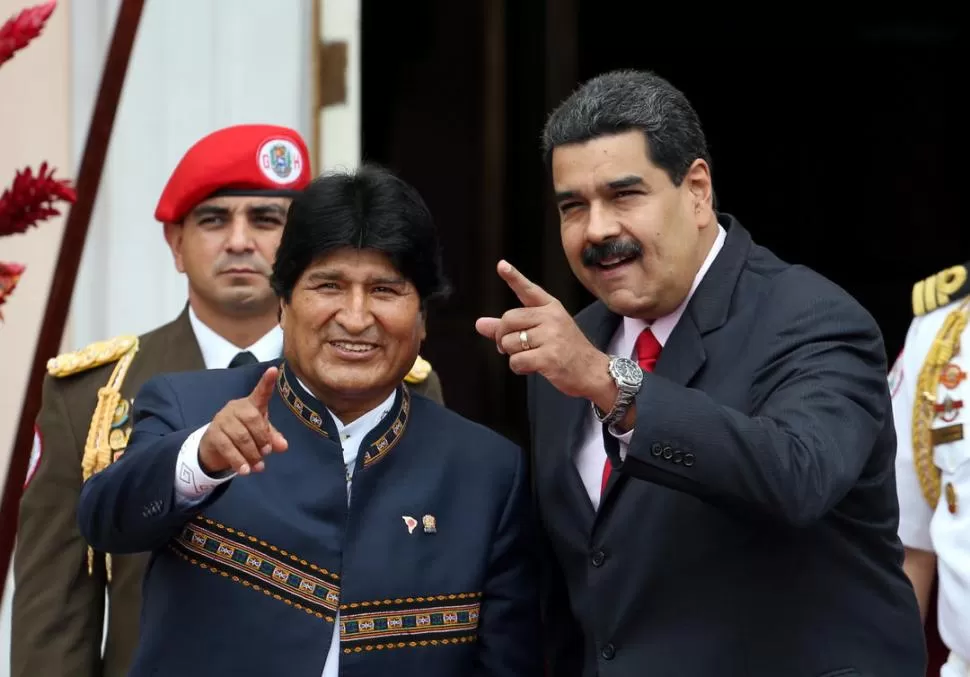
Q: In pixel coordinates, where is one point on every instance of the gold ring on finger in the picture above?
(524, 340)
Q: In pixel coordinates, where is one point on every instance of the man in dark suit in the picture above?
(712, 438)
(386, 535)
(222, 215)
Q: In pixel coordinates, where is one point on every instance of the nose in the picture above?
(602, 224)
(355, 316)
(240, 237)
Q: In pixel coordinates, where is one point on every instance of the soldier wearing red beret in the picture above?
(223, 211)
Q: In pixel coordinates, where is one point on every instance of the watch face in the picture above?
(627, 372)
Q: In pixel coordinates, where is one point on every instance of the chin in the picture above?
(623, 302)
(350, 381)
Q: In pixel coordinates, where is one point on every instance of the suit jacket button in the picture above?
(598, 558)
(668, 453)
(688, 459)
(608, 652)
(656, 449)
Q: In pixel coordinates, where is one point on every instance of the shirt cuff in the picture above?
(192, 484)
(624, 439)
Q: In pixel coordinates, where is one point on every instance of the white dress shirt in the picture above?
(217, 352)
(591, 456)
(192, 485)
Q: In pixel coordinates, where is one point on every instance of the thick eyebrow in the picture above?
(334, 276)
(267, 210)
(625, 182)
(618, 184)
(388, 281)
(255, 211)
(209, 210)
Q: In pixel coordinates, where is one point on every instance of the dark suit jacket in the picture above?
(58, 609)
(751, 530)
(249, 581)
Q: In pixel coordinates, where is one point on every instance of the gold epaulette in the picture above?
(945, 344)
(98, 448)
(91, 356)
(419, 371)
(939, 290)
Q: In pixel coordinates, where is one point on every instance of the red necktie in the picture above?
(647, 351)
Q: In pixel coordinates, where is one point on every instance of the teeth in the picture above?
(354, 347)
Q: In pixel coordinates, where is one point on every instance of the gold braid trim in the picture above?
(91, 356)
(420, 371)
(944, 347)
(939, 290)
(97, 450)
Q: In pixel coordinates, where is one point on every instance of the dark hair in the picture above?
(369, 208)
(624, 100)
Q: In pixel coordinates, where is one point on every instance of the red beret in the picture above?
(238, 160)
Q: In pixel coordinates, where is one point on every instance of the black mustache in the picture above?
(595, 254)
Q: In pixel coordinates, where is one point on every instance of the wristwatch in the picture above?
(628, 378)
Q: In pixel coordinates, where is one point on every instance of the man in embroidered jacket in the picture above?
(323, 517)
(223, 211)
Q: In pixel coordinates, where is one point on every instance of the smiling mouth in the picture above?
(355, 347)
(614, 262)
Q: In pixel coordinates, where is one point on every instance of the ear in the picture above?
(174, 233)
(698, 183)
(283, 309)
(422, 327)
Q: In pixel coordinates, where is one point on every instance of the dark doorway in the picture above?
(835, 140)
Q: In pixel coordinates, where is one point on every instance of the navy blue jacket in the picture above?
(249, 582)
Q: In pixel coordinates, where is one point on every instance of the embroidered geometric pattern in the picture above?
(313, 420)
(310, 418)
(380, 447)
(256, 564)
(410, 622)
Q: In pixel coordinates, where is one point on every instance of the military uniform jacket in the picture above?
(930, 399)
(427, 563)
(58, 606)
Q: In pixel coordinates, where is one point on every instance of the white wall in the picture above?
(197, 66)
(340, 123)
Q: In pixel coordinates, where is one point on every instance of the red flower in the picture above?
(21, 29)
(9, 276)
(31, 199)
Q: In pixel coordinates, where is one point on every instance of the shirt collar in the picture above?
(217, 352)
(362, 425)
(663, 327)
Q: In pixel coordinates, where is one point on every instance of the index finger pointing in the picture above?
(529, 293)
(264, 389)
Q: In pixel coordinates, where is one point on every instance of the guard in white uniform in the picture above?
(931, 398)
